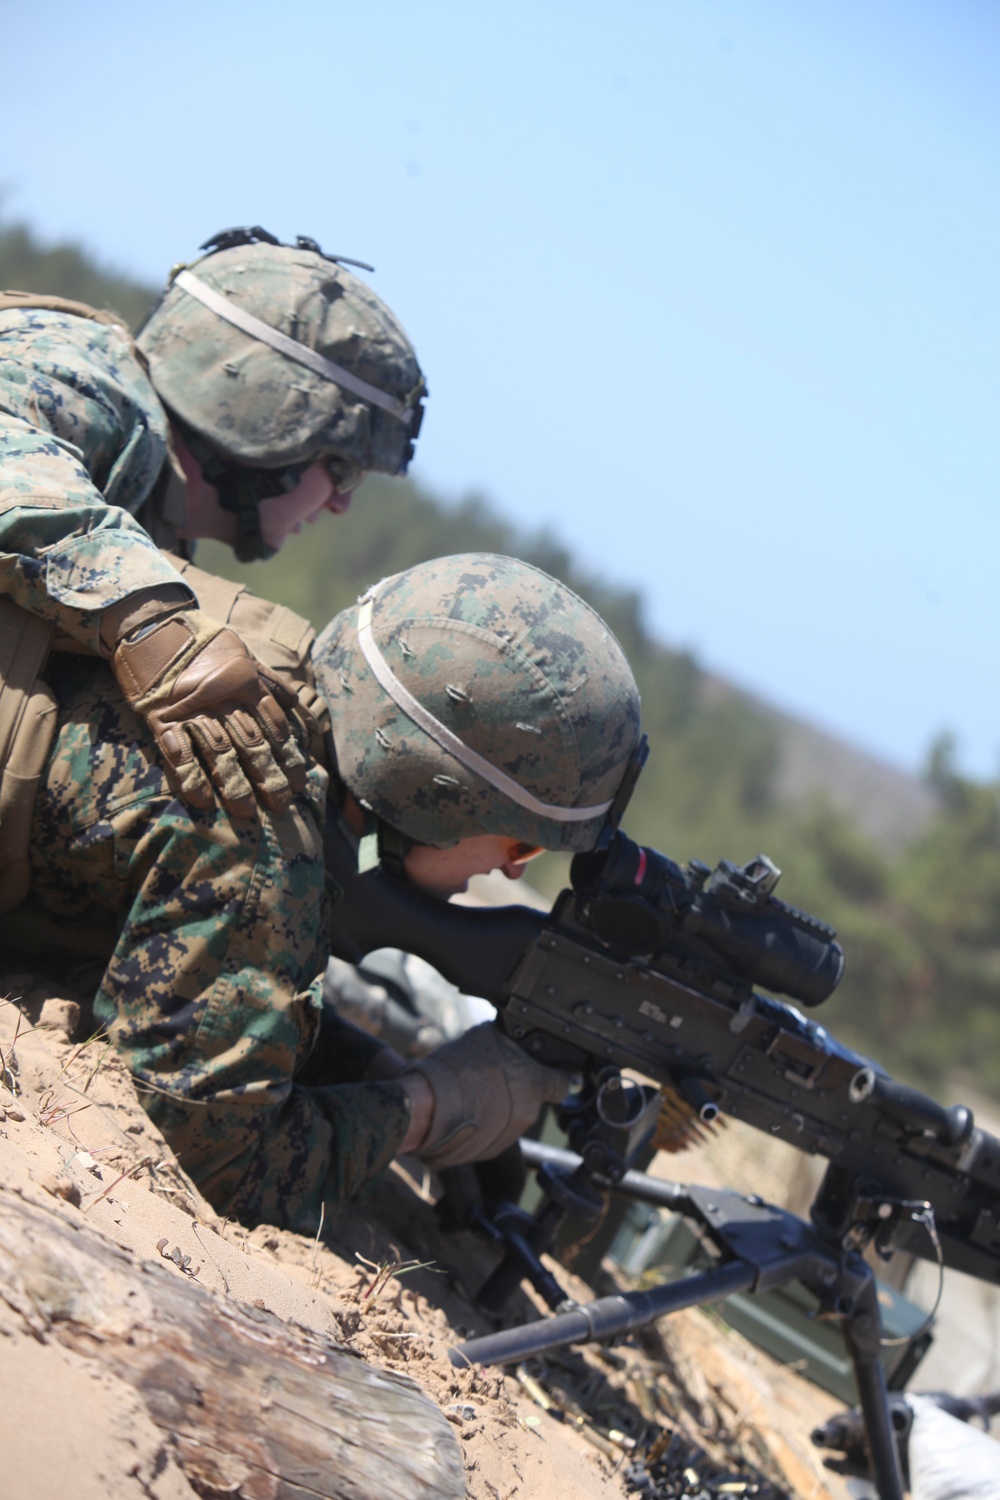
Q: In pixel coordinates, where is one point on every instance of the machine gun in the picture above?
(647, 965)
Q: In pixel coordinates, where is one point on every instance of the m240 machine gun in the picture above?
(651, 966)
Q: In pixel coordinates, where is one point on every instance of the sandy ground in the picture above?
(76, 1144)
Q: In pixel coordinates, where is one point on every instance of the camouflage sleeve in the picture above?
(209, 994)
(82, 441)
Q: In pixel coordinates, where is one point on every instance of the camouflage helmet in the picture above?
(276, 355)
(475, 694)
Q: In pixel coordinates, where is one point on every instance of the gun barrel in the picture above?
(694, 1092)
(911, 1109)
(842, 1432)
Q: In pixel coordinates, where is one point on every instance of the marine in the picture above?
(264, 384)
(474, 711)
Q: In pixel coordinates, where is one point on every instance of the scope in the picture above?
(636, 900)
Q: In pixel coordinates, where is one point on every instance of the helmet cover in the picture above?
(510, 663)
(256, 405)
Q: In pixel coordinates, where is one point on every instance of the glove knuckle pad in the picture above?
(192, 678)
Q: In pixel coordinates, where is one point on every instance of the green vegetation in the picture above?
(921, 927)
(66, 271)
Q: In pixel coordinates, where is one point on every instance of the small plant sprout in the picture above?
(7, 1078)
(98, 1065)
(316, 1246)
(386, 1271)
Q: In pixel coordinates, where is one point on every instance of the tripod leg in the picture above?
(863, 1333)
(607, 1318)
(527, 1242)
(523, 1258)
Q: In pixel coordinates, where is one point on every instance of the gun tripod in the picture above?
(760, 1247)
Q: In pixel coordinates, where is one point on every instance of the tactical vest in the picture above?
(11, 301)
(27, 729)
(278, 637)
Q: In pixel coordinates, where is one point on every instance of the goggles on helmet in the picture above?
(229, 239)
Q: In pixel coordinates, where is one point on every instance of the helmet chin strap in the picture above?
(381, 846)
(240, 491)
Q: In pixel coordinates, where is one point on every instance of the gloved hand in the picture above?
(487, 1092)
(211, 707)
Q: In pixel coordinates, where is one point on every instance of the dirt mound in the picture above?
(385, 1282)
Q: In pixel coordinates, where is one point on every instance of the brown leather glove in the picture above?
(212, 708)
(487, 1093)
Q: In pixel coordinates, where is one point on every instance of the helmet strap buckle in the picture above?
(381, 846)
(368, 845)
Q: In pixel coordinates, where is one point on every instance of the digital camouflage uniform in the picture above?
(83, 474)
(217, 940)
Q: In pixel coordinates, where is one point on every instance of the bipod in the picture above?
(760, 1247)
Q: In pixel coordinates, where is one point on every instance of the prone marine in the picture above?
(465, 714)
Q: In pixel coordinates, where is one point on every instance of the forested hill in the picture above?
(28, 266)
(718, 753)
(908, 871)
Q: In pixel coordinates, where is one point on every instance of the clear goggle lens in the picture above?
(344, 476)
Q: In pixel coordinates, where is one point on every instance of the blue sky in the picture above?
(707, 288)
